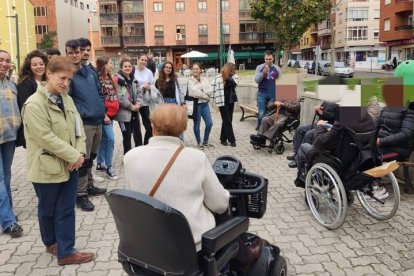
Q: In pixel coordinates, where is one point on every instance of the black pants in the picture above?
(132, 128)
(227, 133)
(145, 115)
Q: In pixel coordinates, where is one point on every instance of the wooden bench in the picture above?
(249, 108)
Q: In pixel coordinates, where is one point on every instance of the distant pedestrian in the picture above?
(394, 62)
(151, 63)
(85, 90)
(224, 93)
(199, 87)
(145, 80)
(130, 101)
(266, 75)
(10, 123)
(52, 52)
(106, 147)
(55, 153)
(32, 75)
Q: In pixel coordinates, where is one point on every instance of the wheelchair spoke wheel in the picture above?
(326, 196)
(387, 194)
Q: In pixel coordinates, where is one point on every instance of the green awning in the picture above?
(210, 56)
(242, 55)
(257, 54)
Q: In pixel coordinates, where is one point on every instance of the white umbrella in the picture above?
(230, 56)
(194, 54)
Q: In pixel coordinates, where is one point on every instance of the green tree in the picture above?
(48, 41)
(289, 19)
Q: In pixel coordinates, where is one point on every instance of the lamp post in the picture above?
(16, 18)
(221, 36)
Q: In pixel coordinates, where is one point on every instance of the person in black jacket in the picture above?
(151, 63)
(305, 133)
(31, 75)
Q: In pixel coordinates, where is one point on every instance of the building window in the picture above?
(361, 56)
(134, 29)
(387, 25)
(180, 31)
(133, 7)
(376, 14)
(66, 1)
(87, 7)
(76, 3)
(41, 29)
(387, 2)
(248, 27)
(202, 5)
(358, 14)
(202, 29)
(226, 29)
(108, 8)
(357, 33)
(179, 6)
(244, 5)
(410, 20)
(82, 6)
(40, 11)
(376, 34)
(110, 31)
(72, 2)
(159, 31)
(157, 6)
(225, 4)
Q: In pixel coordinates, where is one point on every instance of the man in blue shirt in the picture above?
(266, 75)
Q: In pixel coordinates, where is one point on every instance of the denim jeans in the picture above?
(7, 217)
(262, 101)
(56, 213)
(203, 110)
(106, 147)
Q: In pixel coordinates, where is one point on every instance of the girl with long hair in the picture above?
(167, 84)
(224, 94)
(106, 147)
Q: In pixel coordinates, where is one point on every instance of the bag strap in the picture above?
(165, 171)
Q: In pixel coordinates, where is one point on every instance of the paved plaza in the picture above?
(362, 246)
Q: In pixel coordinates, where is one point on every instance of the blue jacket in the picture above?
(86, 92)
(267, 82)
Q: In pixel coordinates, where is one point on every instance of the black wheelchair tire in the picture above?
(280, 149)
(257, 147)
(280, 267)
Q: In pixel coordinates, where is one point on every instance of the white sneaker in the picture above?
(97, 179)
(110, 173)
(379, 192)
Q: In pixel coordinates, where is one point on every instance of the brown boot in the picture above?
(77, 258)
(52, 249)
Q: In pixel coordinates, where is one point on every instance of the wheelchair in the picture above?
(156, 239)
(276, 144)
(332, 180)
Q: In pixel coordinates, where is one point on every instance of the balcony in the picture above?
(404, 28)
(110, 41)
(202, 39)
(134, 40)
(248, 37)
(403, 6)
(244, 14)
(132, 18)
(324, 32)
(159, 41)
(109, 18)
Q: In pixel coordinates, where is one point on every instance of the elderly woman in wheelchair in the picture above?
(335, 166)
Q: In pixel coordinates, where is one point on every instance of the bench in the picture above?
(249, 108)
(405, 164)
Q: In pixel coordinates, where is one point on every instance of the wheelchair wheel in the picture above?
(388, 193)
(280, 267)
(326, 196)
(257, 147)
(280, 149)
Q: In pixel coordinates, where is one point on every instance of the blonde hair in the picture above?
(168, 120)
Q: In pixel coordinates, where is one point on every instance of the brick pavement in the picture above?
(362, 246)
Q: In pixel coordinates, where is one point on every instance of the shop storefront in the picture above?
(133, 53)
(402, 49)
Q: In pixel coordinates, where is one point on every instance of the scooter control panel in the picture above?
(225, 167)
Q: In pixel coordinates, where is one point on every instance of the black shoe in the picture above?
(14, 230)
(100, 167)
(224, 143)
(85, 204)
(233, 144)
(291, 157)
(299, 182)
(94, 191)
(293, 164)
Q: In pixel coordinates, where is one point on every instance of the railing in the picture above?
(322, 32)
(248, 36)
(109, 18)
(134, 40)
(403, 28)
(202, 39)
(244, 14)
(110, 41)
(132, 17)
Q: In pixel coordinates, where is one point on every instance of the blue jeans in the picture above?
(203, 110)
(56, 212)
(106, 147)
(262, 101)
(174, 101)
(7, 217)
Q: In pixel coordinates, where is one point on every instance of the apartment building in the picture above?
(396, 28)
(170, 28)
(8, 37)
(308, 42)
(70, 19)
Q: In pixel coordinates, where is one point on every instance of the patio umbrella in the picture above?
(194, 54)
(230, 56)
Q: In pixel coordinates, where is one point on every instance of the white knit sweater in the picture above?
(191, 186)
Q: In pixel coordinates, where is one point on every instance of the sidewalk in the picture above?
(362, 246)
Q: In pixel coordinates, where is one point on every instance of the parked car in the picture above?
(321, 63)
(339, 68)
(301, 64)
(291, 62)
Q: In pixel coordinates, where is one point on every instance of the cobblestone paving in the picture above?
(362, 246)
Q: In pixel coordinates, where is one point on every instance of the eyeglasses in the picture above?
(75, 53)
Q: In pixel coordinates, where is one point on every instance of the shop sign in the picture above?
(136, 50)
(400, 42)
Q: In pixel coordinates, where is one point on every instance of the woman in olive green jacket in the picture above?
(55, 143)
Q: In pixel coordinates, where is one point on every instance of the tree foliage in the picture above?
(289, 19)
(48, 41)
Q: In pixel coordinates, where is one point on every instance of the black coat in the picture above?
(396, 129)
(24, 90)
(151, 65)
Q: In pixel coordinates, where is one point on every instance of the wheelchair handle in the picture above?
(249, 191)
